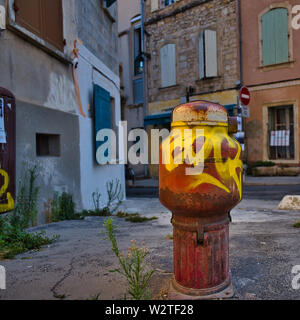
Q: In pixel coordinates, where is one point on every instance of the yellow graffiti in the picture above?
(10, 201)
(214, 136)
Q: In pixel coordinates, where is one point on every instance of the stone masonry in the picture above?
(181, 23)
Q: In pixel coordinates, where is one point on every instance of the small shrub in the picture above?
(114, 194)
(133, 266)
(14, 240)
(63, 208)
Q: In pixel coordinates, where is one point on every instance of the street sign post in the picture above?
(245, 111)
(245, 96)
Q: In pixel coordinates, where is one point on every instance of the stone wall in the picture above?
(98, 30)
(181, 23)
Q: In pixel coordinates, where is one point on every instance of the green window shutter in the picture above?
(268, 39)
(275, 40)
(102, 111)
(281, 30)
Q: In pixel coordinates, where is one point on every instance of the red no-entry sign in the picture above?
(245, 96)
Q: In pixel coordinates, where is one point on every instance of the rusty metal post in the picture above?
(201, 202)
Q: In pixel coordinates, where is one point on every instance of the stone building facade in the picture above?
(36, 64)
(194, 48)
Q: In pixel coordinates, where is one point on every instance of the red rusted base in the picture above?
(223, 291)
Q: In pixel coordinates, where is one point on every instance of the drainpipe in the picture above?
(240, 42)
(242, 75)
(144, 71)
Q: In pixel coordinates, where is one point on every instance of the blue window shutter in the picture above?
(101, 110)
(201, 56)
(138, 91)
(275, 39)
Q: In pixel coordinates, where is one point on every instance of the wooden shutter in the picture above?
(201, 56)
(281, 30)
(154, 5)
(53, 27)
(275, 39)
(43, 18)
(29, 15)
(168, 65)
(211, 53)
(102, 111)
(138, 91)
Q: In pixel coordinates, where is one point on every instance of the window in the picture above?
(275, 37)
(281, 133)
(168, 2)
(208, 54)
(138, 58)
(43, 18)
(47, 145)
(168, 65)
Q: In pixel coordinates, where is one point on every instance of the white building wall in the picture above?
(93, 176)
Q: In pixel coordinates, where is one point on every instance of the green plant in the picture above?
(133, 266)
(14, 240)
(134, 217)
(62, 208)
(25, 213)
(114, 194)
(297, 224)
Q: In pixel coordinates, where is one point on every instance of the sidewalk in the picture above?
(249, 181)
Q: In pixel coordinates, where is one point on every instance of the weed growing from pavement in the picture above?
(14, 238)
(62, 208)
(133, 266)
(297, 224)
(134, 217)
(25, 212)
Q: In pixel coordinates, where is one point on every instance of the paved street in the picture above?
(276, 192)
(264, 246)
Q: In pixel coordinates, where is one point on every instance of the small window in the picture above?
(281, 133)
(47, 145)
(168, 65)
(168, 2)
(208, 54)
(138, 57)
(275, 37)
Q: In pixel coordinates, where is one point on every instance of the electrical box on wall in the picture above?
(2, 18)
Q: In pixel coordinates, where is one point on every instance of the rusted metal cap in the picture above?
(203, 112)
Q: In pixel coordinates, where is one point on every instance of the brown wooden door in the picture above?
(7, 151)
